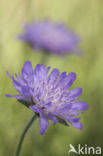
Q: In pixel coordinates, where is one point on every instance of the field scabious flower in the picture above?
(50, 37)
(49, 95)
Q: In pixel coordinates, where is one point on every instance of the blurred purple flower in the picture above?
(50, 37)
(48, 95)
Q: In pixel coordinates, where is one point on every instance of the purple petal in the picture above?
(20, 80)
(79, 106)
(35, 109)
(75, 92)
(75, 123)
(62, 76)
(41, 71)
(9, 74)
(26, 90)
(67, 82)
(16, 84)
(71, 78)
(27, 93)
(38, 68)
(46, 106)
(27, 70)
(18, 97)
(53, 118)
(43, 124)
(53, 76)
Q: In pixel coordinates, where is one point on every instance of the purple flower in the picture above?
(50, 37)
(49, 95)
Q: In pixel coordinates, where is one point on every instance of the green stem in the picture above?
(24, 133)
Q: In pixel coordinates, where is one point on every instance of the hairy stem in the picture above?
(24, 133)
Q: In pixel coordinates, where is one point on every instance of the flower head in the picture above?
(49, 95)
(50, 37)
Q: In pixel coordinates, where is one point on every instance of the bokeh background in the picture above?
(85, 18)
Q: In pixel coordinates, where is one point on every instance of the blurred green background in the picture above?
(85, 18)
